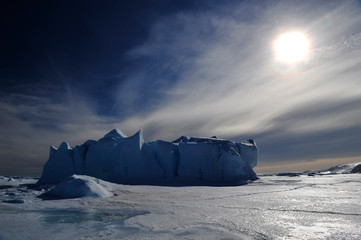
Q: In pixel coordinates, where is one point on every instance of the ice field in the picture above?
(273, 207)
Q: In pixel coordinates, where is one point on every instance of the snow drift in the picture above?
(77, 186)
(121, 159)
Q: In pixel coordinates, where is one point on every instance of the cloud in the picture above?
(30, 124)
(211, 72)
(227, 83)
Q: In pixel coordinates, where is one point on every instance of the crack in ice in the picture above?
(317, 212)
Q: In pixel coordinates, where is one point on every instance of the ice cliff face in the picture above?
(121, 159)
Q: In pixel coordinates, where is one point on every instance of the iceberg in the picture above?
(130, 160)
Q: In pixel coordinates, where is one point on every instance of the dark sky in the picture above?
(74, 70)
(77, 43)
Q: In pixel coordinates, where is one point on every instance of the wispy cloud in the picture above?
(30, 124)
(228, 84)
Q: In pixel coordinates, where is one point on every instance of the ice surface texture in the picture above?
(273, 207)
(121, 159)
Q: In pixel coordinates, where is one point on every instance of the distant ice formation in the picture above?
(121, 159)
(342, 169)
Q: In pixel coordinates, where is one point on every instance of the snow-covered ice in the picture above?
(77, 186)
(121, 159)
(272, 207)
(342, 169)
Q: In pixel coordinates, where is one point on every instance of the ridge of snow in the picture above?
(342, 169)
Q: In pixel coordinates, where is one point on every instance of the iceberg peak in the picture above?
(64, 146)
(138, 138)
(115, 133)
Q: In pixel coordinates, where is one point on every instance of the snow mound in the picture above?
(120, 159)
(77, 186)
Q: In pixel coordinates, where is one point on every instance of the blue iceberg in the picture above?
(130, 160)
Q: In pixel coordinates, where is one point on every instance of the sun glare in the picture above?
(292, 48)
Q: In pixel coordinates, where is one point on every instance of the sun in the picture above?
(292, 47)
